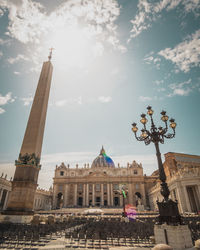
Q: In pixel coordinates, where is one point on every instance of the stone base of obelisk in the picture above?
(23, 219)
(178, 237)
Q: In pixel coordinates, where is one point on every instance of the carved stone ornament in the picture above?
(28, 159)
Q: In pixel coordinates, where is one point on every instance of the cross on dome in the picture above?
(102, 151)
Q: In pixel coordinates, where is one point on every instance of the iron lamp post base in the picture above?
(168, 212)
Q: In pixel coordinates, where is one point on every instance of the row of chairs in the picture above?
(18, 235)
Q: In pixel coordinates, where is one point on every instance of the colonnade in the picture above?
(88, 195)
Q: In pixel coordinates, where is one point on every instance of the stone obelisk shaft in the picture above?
(24, 184)
(33, 137)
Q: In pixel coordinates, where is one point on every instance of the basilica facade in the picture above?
(101, 184)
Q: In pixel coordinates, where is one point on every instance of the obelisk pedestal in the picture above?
(24, 185)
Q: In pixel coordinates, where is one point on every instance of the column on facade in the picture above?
(130, 194)
(181, 197)
(93, 195)
(87, 194)
(142, 189)
(121, 200)
(198, 194)
(108, 194)
(102, 196)
(65, 197)
(5, 200)
(133, 188)
(84, 194)
(1, 192)
(111, 193)
(75, 194)
(54, 197)
(187, 199)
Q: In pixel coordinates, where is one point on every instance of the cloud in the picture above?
(7, 169)
(145, 98)
(61, 103)
(18, 58)
(7, 41)
(149, 59)
(98, 49)
(2, 111)
(1, 12)
(158, 82)
(24, 16)
(27, 100)
(182, 92)
(79, 100)
(161, 89)
(73, 23)
(115, 71)
(181, 89)
(149, 12)
(64, 102)
(6, 99)
(105, 99)
(186, 54)
(16, 72)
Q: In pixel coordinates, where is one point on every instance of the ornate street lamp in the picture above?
(168, 209)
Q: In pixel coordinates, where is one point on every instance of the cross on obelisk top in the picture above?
(50, 54)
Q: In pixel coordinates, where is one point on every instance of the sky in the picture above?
(111, 59)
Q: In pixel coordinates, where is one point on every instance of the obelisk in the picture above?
(24, 184)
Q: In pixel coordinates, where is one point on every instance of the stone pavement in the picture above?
(62, 243)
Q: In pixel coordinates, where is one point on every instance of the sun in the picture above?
(74, 46)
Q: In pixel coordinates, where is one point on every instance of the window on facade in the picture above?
(135, 171)
(116, 186)
(104, 187)
(90, 187)
(72, 174)
(98, 187)
(80, 187)
(60, 187)
(136, 186)
(61, 173)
